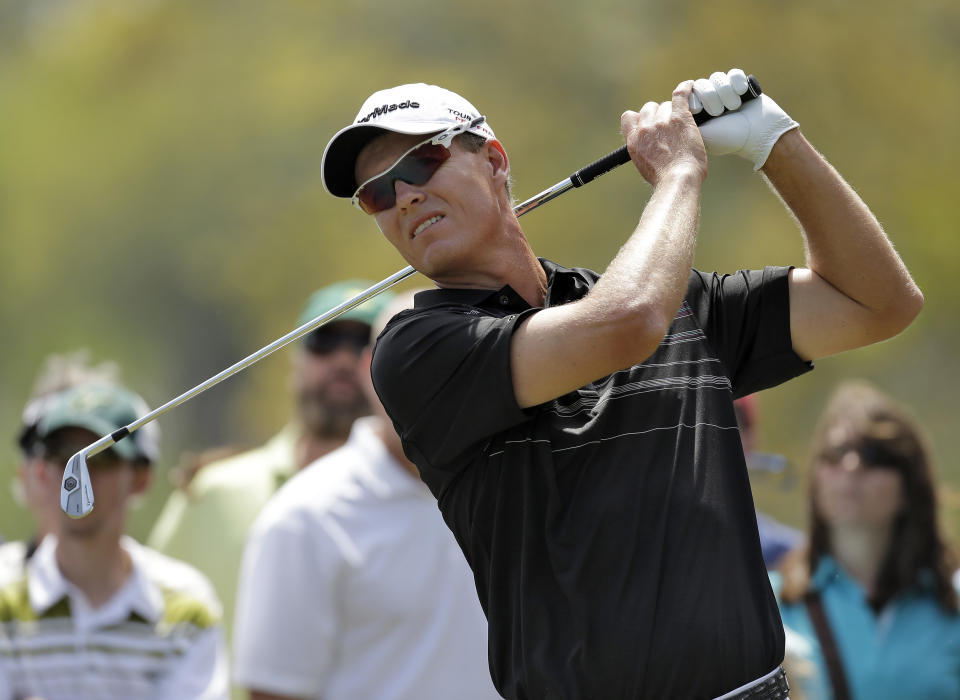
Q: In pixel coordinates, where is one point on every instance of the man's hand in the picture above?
(751, 131)
(663, 138)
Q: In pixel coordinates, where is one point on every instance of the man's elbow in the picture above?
(638, 334)
(897, 317)
(915, 304)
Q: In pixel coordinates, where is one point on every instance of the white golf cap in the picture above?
(416, 108)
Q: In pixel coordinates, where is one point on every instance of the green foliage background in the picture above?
(160, 201)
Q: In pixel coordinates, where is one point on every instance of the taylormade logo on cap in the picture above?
(418, 108)
(378, 111)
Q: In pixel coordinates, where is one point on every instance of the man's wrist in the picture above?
(684, 174)
(786, 148)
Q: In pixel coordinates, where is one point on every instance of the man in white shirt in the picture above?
(94, 614)
(205, 522)
(352, 586)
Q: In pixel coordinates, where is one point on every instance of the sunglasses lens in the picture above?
(377, 195)
(871, 453)
(59, 453)
(415, 168)
(324, 341)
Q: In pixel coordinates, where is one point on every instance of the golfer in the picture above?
(578, 429)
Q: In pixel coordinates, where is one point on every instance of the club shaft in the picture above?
(543, 197)
(293, 335)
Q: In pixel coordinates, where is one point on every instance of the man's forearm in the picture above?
(845, 244)
(653, 267)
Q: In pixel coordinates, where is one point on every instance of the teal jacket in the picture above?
(911, 649)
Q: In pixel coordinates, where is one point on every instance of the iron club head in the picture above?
(76, 494)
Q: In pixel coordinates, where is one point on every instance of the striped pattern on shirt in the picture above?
(49, 656)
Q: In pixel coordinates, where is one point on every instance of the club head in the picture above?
(76, 494)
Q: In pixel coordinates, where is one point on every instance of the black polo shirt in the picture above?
(611, 531)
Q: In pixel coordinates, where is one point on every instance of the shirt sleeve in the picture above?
(746, 318)
(202, 673)
(444, 377)
(287, 613)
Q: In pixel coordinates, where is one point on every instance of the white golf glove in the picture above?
(751, 131)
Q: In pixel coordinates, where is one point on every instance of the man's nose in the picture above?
(407, 194)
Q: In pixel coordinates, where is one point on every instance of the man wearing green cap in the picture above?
(59, 372)
(206, 522)
(93, 613)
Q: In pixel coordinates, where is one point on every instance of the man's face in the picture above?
(114, 481)
(447, 227)
(326, 380)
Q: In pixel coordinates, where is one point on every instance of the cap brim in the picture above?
(340, 155)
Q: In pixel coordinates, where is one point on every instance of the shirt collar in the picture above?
(47, 585)
(563, 285)
(279, 453)
(380, 470)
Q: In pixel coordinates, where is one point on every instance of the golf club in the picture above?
(76, 493)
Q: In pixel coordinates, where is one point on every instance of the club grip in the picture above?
(620, 156)
(752, 93)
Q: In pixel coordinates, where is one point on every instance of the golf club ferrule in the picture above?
(544, 197)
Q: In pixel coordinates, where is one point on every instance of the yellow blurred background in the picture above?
(161, 206)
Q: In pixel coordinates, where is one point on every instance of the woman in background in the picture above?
(868, 603)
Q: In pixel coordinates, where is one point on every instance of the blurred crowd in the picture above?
(318, 565)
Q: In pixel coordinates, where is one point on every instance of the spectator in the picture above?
(353, 587)
(205, 521)
(869, 602)
(94, 614)
(59, 372)
(776, 539)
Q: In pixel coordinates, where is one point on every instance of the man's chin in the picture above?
(331, 420)
(80, 529)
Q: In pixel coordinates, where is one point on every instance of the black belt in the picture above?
(773, 686)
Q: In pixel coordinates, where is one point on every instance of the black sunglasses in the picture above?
(873, 453)
(325, 340)
(415, 167)
(58, 452)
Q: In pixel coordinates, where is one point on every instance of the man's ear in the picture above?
(497, 157)
(366, 380)
(142, 477)
(366, 358)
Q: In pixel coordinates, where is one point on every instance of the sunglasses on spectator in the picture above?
(415, 167)
(58, 452)
(872, 453)
(325, 340)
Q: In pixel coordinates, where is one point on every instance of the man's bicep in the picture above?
(556, 351)
(823, 320)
